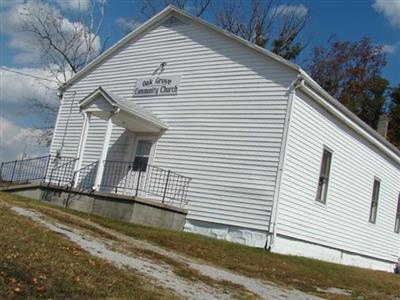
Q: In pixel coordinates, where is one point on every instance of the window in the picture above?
(324, 176)
(397, 224)
(374, 201)
(142, 154)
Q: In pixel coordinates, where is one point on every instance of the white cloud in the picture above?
(15, 140)
(74, 5)
(389, 49)
(17, 115)
(127, 24)
(297, 10)
(9, 3)
(390, 9)
(29, 50)
(17, 89)
(16, 94)
(12, 21)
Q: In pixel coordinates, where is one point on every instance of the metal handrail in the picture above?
(63, 176)
(136, 179)
(120, 177)
(85, 176)
(24, 170)
(27, 170)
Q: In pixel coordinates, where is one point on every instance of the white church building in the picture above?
(274, 160)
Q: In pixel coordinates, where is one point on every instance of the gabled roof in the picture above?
(120, 104)
(356, 123)
(158, 18)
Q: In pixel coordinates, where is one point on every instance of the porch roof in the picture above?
(105, 104)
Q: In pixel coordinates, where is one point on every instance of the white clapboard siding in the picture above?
(225, 124)
(341, 223)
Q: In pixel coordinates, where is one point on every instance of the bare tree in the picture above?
(286, 44)
(197, 7)
(65, 45)
(265, 23)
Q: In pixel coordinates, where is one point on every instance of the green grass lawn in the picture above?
(301, 273)
(36, 263)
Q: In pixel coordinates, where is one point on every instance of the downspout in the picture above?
(298, 82)
(60, 95)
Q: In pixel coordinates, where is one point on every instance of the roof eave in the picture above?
(121, 43)
(118, 105)
(155, 20)
(143, 116)
(99, 91)
(389, 148)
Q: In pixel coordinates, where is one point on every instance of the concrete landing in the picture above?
(125, 208)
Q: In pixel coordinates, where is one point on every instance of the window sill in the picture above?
(320, 204)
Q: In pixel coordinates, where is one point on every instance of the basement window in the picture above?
(397, 223)
(374, 201)
(324, 176)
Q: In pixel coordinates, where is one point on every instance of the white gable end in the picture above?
(225, 124)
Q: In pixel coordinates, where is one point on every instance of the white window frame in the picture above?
(154, 139)
(373, 211)
(397, 222)
(324, 193)
(152, 150)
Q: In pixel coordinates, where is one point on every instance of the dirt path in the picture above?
(118, 253)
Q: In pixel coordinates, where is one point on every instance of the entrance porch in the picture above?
(134, 176)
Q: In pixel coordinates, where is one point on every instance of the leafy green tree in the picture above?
(372, 101)
(394, 114)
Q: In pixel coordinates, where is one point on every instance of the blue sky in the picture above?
(348, 20)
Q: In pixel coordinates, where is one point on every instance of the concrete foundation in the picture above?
(289, 246)
(125, 208)
(244, 236)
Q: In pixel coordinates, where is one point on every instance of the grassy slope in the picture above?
(36, 263)
(298, 272)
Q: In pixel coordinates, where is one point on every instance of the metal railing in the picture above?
(119, 177)
(32, 169)
(84, 178)
(25, 170)
(148, 181)
(62, 172)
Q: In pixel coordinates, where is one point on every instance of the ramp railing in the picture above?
(119, 177)
(38, 169)
(62, 173)
(24, 170)
(83, 179)
(145, 180)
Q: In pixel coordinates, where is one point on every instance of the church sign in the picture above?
(156, 86)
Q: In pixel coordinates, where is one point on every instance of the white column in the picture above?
(82, 143)
(103, 156)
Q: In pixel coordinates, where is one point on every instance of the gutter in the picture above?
(349, 119)
(297, 83)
